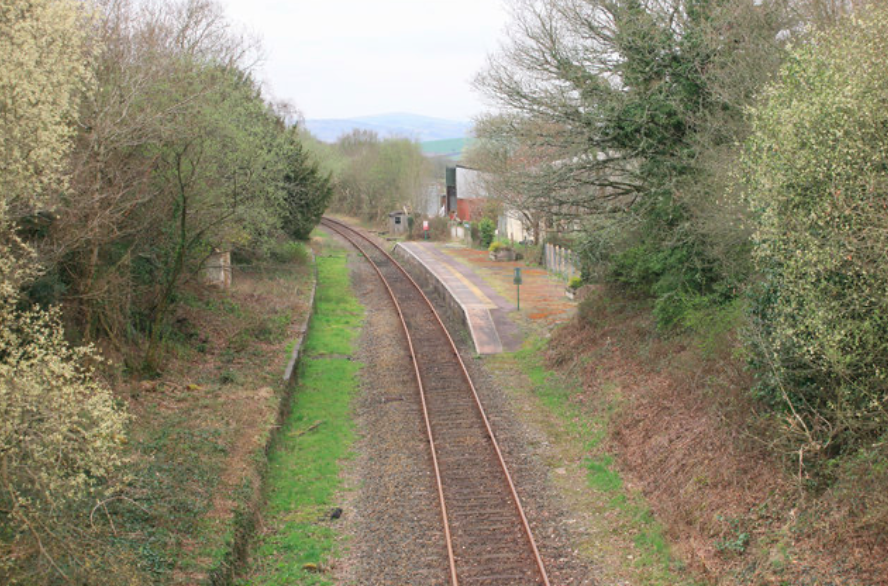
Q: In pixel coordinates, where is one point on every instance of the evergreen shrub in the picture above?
(816, 173)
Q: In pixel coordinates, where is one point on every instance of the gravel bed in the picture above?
(554, 528)
(391, 519)
(524, 448)
(391, 525)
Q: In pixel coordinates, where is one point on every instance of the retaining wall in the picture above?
(429, 282)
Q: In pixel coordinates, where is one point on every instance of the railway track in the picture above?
(489, 540)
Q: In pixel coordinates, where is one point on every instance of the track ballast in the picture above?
(489, 540)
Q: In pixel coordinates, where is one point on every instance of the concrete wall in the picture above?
(428, 281)
(217, 270)
(457, 231)
(511, 227)
(431, 201)
(561, 262)
(398, 223)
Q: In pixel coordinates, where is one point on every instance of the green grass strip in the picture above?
(304, 469)
(656, 565)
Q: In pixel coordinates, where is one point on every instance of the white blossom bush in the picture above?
(44, 67)
(816, 172)
(60, 430)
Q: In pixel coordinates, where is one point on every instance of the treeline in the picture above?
(371, 176)
(134, 143)
(724, 160)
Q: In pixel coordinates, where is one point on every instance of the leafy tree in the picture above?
(178, 154)
(512, 168)
(630, 110)
(817, 182)
(217, 181)
(60, 440)
(133, 141)
(378, 176)
(307, 190)
(356, 190)
(487, 230)
(44, 56)
(105, 222)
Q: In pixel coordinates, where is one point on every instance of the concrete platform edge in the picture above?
(302, 329)
(418, 269)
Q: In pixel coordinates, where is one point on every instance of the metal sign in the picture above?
(517, 280)
(425, 225)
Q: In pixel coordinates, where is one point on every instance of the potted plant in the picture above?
(572, 287)
(501, 251)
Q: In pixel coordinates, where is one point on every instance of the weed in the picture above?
(714, 326)
(289, 252)
(601, 476)
(737, 539)
(188, 471)
(229, 377)
(272, 329)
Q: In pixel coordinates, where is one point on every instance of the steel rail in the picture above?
(425, 412)
(344, 230)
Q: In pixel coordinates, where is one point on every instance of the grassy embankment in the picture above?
(683, 475)
(196, 447)
(625, 541)
(299, 540)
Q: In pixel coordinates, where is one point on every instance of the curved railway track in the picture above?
(489, 541)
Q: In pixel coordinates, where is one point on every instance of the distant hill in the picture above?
(450, 148)
(412, 126)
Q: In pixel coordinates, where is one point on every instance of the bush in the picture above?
(677, 278)
(575, 283)
(817, 181)
(289, 253)
(307, 190)
(498, 245)
(595, 247)
(533, 254)
(487, 232)
(439, 229)
(60, 438)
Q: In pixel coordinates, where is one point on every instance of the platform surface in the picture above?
(486, 311)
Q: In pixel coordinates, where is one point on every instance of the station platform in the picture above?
(484, 312)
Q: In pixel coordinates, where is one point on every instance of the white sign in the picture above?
(425, 224)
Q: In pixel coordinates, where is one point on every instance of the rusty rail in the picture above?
(352, 236)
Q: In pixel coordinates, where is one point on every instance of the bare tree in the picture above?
(612, 96)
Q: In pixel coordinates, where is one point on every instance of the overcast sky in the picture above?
(347, 58)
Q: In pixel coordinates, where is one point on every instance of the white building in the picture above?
(510, 225)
